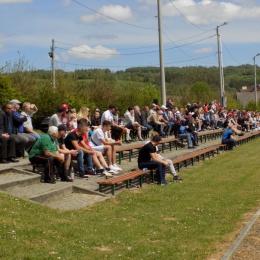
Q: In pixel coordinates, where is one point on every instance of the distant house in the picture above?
(247, 93)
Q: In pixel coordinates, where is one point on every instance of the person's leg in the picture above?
(20, 142)
(60, 167)
(108, 152)
(80, 159)
(3, 147)
(172, 169)
(29, 140)
(195, 138)
(67, 165)
(47, 161)
(101, 160)
(160, 170)
(230, 143)
(186, 136)
(38, 136)
(88, 162)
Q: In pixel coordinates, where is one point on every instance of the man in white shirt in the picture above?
(28, 111)
(100, 142)
(116, 130)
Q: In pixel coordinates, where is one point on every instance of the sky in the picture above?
(120, 34)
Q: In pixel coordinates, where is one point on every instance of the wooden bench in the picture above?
(194, 155)
(127, 177)
(209, 135)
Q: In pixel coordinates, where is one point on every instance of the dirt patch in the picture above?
(103, 249)
(228, 240)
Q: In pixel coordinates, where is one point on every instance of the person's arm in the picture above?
(56, 156)
(107, 142)
(77, 147)
(64, 150)
(155, 158)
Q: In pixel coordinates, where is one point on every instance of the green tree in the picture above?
(201, 91)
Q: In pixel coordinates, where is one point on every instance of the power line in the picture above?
(188, 19)
(144, 47)
(85, 65)
(230, 54)
(133, 25)
(184, 45)
(137, 53)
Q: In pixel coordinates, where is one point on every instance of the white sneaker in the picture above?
(108, 169)
(107, 174)
(115, 167)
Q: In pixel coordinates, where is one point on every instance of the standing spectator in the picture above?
(28, 111)
(45, 151)
(148, 159)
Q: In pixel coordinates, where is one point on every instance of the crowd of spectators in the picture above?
(88, 138)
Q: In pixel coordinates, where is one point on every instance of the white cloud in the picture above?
(204, 50)
(66, 2)
(117, 12)
(85, 52)
(213, 12)
(14, 1)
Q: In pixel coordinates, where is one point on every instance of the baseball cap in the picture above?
(163, 107)
(61, 109)
(62, 128)
(15, 101)
(111, 106)
(65, 106)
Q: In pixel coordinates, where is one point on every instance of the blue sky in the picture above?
(87, 39)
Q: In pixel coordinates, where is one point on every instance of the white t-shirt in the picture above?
(108, 115)
(96, 137)
(28, 123)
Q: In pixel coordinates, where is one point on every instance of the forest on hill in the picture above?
(133, 86)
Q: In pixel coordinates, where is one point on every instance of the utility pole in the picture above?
(255, 79)
(52, 56)
(163, 91)
(220, 65)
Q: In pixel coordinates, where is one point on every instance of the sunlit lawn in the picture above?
(179, 221)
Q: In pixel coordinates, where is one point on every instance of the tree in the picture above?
(201, 91)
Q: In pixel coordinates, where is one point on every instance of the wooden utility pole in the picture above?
(52, 56)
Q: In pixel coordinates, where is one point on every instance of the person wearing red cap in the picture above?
(65, 119)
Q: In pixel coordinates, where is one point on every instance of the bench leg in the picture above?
(127, 184)
(113, 189)
(141, 180)
(100, 188)
(33, 169)
(152, 176)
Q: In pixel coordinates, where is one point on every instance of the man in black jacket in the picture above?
(7, 126)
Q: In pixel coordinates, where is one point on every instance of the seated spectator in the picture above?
(9, 130)
(97, 156)
(212, 118)
(152, 109)
(144, 116)
(55, 119)
(130, 122)
(116, 130)
(28, 111)
(66, 153)
(154, 120)
(65, 117)
(96, 120)
(171, 166)
(148, 159)
(191, 128)
(100, 142)
(18, 121)
(228, 139)
(165, 119)
(73, 122)
(84, 156)
(243, 121)
(45, 152)
(7, 148)
(180, 132)
(84, 112)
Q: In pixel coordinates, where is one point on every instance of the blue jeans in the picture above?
(160, 169)
(188, 137)
(36, 136)
(84, 158)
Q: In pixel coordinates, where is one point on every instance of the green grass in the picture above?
(179, 221)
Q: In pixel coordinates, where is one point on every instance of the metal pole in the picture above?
(161, 53)
(255, 83)
(53, 63)
(220, 69)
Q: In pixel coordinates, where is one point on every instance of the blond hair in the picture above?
(84, 112)
(154, 133)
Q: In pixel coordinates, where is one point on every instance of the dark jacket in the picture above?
(143, 117)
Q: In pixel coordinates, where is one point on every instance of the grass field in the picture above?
(191, 220)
